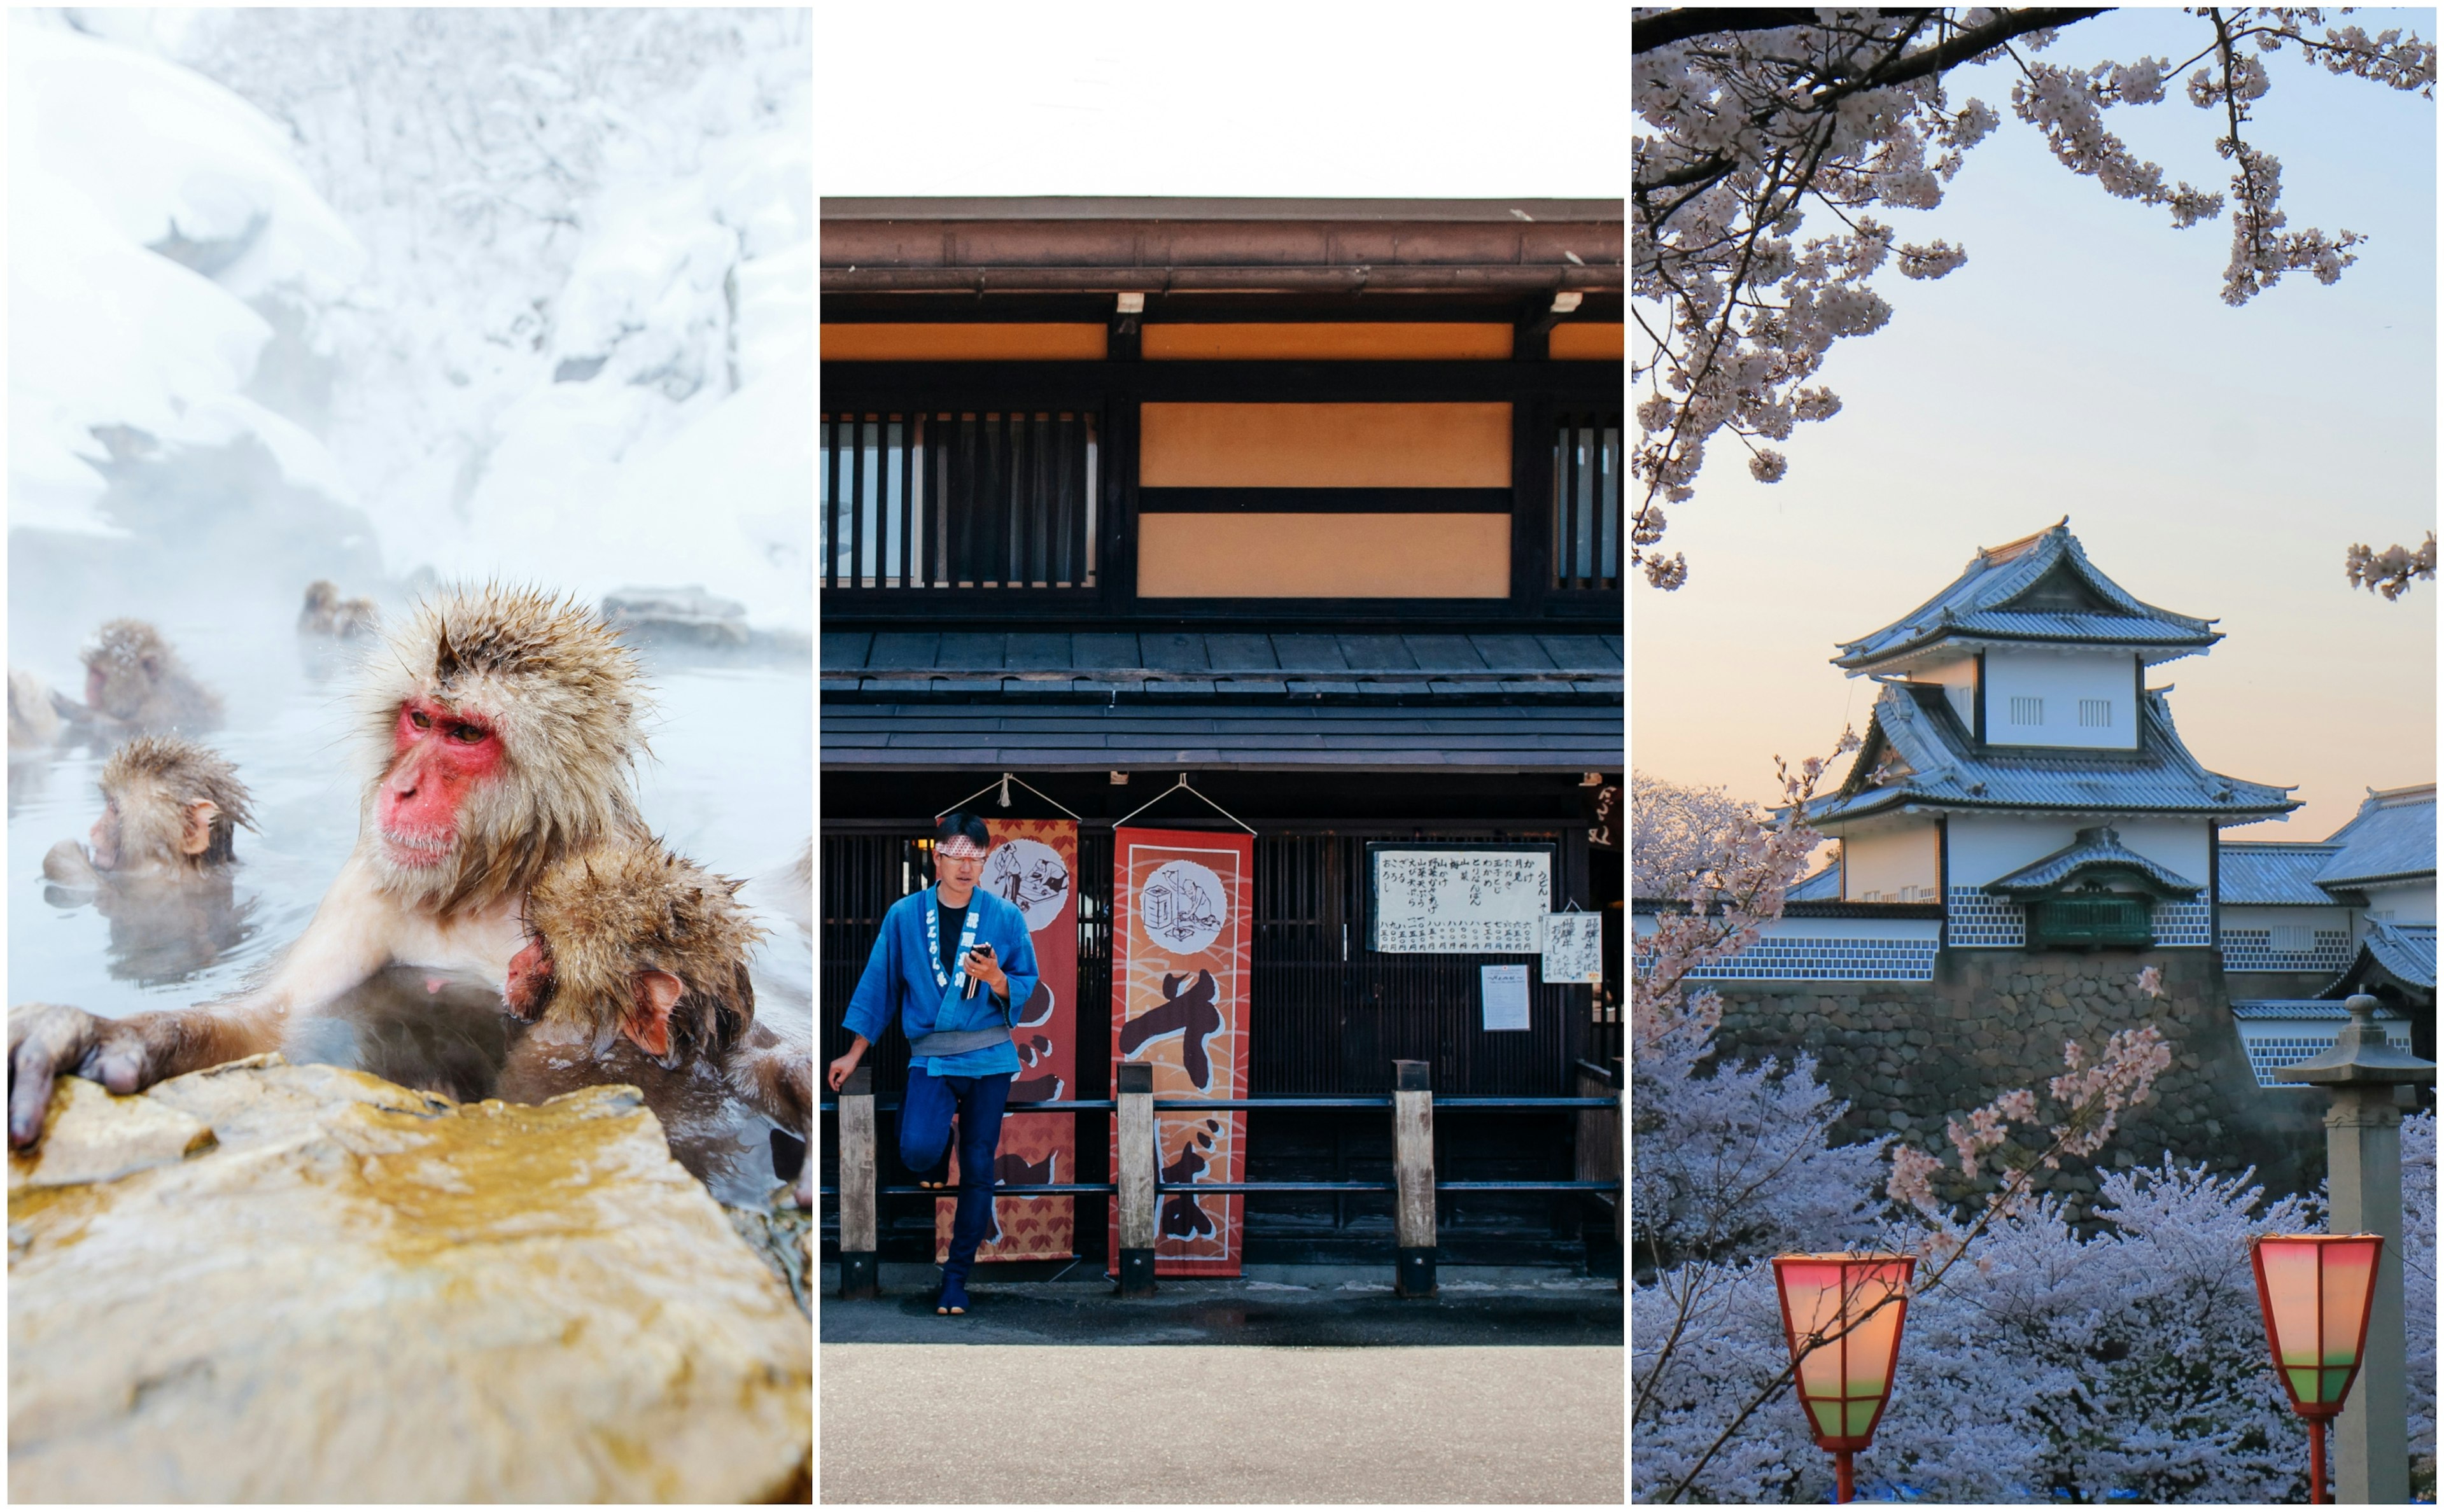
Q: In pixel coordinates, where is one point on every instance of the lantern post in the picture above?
(1852, 1306)
(2363, 1177)
(2314, 1290)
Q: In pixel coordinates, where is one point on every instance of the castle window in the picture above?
(2028, 711)
(2292, 938)
(2096, 714)
(2118, 919)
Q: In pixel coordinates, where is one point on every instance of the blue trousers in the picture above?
(925, 1147)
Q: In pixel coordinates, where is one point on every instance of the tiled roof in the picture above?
(2273, 872)
(2391, 836)
(993, 734)
(1997, 598)
(1821, 887)
(2097, 847)
(2309, 1010)
(1211, 666)
(2407, 950)
(1947, 769)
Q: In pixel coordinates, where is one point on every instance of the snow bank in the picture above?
(674, 443)
(146, 206)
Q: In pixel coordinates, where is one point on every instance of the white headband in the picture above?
(959, 845)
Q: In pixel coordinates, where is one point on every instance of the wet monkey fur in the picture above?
(171, 808)
(634, 971)
(500, 726)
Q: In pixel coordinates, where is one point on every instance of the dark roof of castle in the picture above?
(2040, 589)
(2393, 836)
(2100, 847)
(1917, 752)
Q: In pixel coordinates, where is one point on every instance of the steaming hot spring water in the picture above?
(727, 783)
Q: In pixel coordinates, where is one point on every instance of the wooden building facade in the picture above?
(1318, 502)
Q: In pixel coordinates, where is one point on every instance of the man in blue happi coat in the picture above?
(956, 965)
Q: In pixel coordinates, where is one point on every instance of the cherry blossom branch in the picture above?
(1749, 114)
(2390, 571)
(2095, 1093)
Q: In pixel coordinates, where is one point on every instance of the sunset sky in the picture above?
(2214, 461)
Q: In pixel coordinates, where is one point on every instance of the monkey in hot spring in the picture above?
(161, 858)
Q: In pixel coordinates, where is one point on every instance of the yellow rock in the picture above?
(365, 1293)
(90, 1135)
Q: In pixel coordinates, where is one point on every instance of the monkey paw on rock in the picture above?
(50, 1039)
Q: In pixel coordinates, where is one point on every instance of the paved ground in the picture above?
(1311, 1385)
(1031, 1424)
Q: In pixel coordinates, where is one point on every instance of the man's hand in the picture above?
(983, 968)
(837, 1073)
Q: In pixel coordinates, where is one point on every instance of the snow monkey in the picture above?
(135, 684)
(159, 865)
(634, 971)
(327, 614)
(170, 810)
(501, 728)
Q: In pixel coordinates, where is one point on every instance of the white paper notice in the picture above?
(1505, 996)
(1573, 948)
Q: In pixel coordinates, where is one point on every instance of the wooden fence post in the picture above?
(1135, 1178)
(1413, 1163)
(1599, 1148)
(859, 1275)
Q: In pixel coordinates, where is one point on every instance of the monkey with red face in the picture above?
(161, 853)
(502, 729)
(634, 971)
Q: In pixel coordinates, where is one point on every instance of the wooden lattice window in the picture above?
(1587, 500)
(959, 499)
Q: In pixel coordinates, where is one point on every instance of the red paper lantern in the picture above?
(2314, 1290)
(1841, 1317)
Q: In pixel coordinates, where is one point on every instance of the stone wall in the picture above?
(1906, 1056)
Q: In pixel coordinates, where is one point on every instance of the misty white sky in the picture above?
(1265, 99)
(2214, 461)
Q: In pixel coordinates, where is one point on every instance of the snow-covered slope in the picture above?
(532, 290)
(146, 207)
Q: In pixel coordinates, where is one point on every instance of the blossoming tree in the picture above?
(2045, 1356)
(1753, 119)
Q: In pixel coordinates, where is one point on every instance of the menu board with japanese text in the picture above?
(1459, 899)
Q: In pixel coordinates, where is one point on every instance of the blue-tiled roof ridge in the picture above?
(2276, 874)
(1820, 886)
(2304, 1009)
(1979, 604)
(2097, 847)
(2403, 951)
(1951, 771)
(2391, 836)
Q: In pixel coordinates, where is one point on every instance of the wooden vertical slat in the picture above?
(1607, 566)
(855, 494)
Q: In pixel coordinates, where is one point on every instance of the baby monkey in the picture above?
(170, 810)
(158, 866)
(634, 971)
